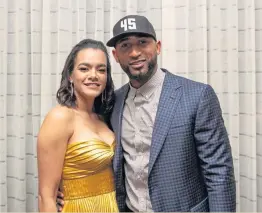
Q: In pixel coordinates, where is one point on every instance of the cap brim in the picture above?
(114, 40)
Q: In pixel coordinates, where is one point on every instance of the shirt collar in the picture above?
(149, 87)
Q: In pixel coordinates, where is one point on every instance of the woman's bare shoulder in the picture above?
(59, 119)
(60, 113)
(57, 127)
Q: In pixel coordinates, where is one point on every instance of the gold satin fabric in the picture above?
(87, 180)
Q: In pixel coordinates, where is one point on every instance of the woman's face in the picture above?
(90, 73)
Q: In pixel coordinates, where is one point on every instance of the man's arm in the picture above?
(214, 152)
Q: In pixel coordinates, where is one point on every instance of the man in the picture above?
(173, 152)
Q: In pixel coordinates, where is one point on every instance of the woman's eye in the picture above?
(102, 70)
(83, 69)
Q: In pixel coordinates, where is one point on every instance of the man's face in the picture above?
(137, 55)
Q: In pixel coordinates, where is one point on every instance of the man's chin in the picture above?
(137, 74)
(134, 76)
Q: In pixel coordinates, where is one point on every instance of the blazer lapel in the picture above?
(116, 121)
(170, 96)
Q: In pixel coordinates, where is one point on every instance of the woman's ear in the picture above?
(70, 79)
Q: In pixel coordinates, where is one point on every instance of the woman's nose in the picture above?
(93, 74)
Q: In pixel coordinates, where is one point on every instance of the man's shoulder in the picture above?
(187, 84)
(120, 90)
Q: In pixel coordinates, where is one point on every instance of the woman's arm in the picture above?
(53, 138)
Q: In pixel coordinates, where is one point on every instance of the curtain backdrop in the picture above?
(218, 42)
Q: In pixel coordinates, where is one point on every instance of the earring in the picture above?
(71, 89)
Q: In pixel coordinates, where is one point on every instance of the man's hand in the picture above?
(59, 201)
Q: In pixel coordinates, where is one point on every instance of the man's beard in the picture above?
(142, 77)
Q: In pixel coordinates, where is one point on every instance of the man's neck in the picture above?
(139, 83)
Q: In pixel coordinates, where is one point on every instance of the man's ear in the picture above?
(115, 55)
(158, 47)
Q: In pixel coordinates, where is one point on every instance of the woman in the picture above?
(75, 146)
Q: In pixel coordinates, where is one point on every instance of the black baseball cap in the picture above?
(131, 24)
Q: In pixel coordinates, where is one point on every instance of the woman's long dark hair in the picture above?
(64, 95)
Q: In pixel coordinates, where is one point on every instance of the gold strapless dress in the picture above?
(87, 179)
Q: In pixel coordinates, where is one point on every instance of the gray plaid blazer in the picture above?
(190, 166)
